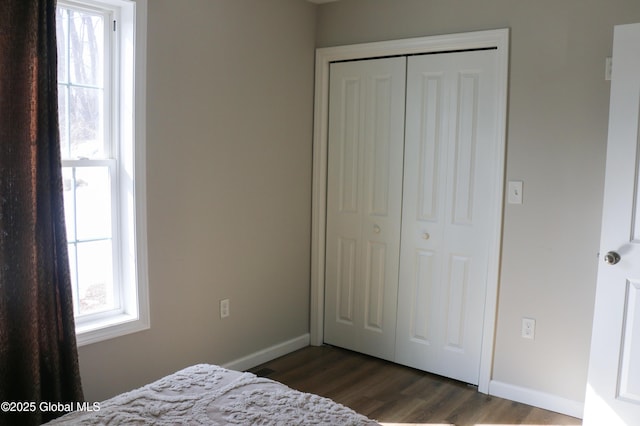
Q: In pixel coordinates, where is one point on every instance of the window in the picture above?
(101, 114)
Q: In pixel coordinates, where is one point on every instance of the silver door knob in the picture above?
(611, 258)
(376, 229)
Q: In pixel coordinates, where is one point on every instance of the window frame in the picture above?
(127, 112)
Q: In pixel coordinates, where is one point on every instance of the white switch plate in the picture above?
(224, 308)
(528, 328)
(515, 192)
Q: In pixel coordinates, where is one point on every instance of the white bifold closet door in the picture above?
(364, 201)
(450, 170)
(409, 199)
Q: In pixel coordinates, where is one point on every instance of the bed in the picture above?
(206, 394)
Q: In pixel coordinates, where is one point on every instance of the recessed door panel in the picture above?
(629, 367)
(364, 193)
(380, 161)
(346, 283)
(635, 215)
(374, 286)
(423, 291)
(456, 288)
(465, 147)
(431, 104)
(349, 145)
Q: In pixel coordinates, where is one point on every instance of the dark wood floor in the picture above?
(390, 393)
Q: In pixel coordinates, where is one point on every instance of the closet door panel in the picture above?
(364, 200)
(419, 329)
(450, 143)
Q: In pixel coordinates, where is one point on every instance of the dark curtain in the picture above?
(38, 354)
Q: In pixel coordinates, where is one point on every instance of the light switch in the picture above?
(515, 192)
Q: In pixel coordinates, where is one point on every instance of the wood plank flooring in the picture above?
(390, 393)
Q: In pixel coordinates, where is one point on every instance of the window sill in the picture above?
(109, 328)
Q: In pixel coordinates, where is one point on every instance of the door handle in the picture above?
(611, 258)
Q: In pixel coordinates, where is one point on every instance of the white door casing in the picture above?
(324, 56)
(364, 199)
(613, 386)
(450, 170)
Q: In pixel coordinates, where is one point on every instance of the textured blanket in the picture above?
(211, 395)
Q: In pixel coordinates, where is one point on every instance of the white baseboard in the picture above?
(538, 399)
(268, 354)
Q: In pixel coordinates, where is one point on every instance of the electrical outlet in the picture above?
(528, 328)
(224, 308)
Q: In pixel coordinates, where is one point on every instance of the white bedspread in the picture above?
(211, 395)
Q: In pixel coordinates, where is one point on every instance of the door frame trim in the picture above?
(498, 39)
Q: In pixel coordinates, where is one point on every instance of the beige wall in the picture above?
(230, 99)
(229, 175)
(557, 127)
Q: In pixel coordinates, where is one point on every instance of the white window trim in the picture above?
(131, 115)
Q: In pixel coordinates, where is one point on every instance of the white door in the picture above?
(451, 170)
(613, 389)
(364, 199)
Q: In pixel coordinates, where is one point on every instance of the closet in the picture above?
(412, 166)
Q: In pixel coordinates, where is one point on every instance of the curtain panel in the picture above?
(38, 354)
